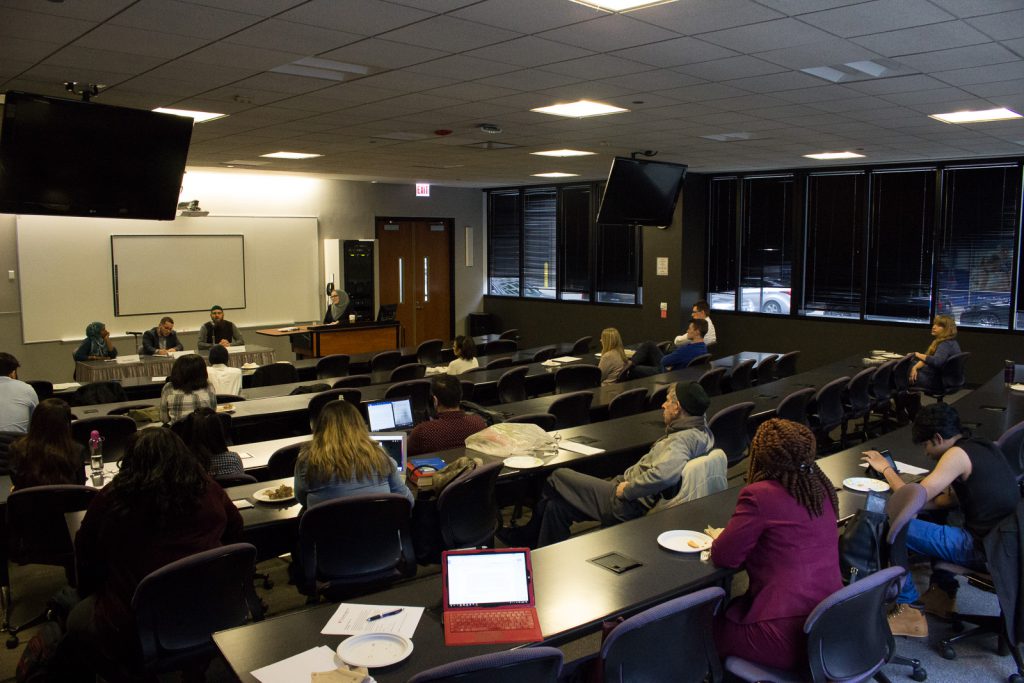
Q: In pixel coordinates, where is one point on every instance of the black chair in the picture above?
(530, 664)
(581, 345)
(509, 335)
(429, 352)
(857, 403)
(826, 412)
(6, 439)
(317, 403)
(571, 378)
(740, 377)
(222, 399)
(273, 374)
(545, 353)
(500, 346)
(353, 381)
(729, 425)
(498, 363)
(282, 461)
(404, 373)
(712, 381)
(901, 387)
(657, 397)
(44, 389)
(882, 390)
(765, 370)
(467, 389)
(545, 421)
(953, 376)
(702, 359)
(385, 361)
(236, 480)
(467, 509)
(115, 430)
(794, 406)
(786, 365)
(335, 365)
(572, 410)
(1011, 443)
(179, 606)
(377, 525)
(95, 393)
(512, 385)
(419, 393)
(665, 346)
(627, 403)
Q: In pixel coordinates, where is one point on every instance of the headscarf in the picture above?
(97, 345)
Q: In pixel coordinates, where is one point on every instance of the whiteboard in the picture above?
(215, 263)
(66, 275)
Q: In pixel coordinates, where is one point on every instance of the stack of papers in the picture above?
(582, 449)
(64, 386)
(351, 619)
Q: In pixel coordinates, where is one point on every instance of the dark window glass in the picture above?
(575, 252)
(722, 247)
(766, 251)
(899, 281)
(981, 207)
(503, 243)
(834, 272)
(617, 275)
(539, 243)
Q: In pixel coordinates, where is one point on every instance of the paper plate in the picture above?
(262, 496)
(374, 650)
(523, 462)
(226, 408)
(865, 484)
(680, 540)
(879, 352)
(1017, 387)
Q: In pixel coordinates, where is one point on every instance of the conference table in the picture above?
(160, 366)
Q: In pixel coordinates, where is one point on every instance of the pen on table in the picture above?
(392, 613)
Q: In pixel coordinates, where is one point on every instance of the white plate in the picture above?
(262, 496)
(374, 650)
(226, 408)
(523, 462)
(879, 352)
(1017, 387)
(865, 484)
(679, 541)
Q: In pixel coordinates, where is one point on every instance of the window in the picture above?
(722, 244)
(503, 243)
(539, 252)
(575, 262)
(618, 264)
(766, 248)
(834, 269)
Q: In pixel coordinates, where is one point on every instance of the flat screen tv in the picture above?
(640, 192)
(69, 158)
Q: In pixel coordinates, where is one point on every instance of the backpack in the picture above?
(36, 662)
(862, 546)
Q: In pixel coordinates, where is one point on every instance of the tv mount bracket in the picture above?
(86, 90)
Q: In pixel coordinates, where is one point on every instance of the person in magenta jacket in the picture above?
(783, 533)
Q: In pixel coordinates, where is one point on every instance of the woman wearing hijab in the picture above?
(96, 345)
(339, 305)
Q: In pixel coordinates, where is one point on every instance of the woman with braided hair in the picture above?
(783, 533)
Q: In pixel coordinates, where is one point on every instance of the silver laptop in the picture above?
(395, 444)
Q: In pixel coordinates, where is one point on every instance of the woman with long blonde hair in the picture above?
(613, 356)
(926, 373)
(342, 460)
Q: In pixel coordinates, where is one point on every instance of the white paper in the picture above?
(160, 379)
(565, 359)
(179, 354)
(64, 386)
(287, 329)
(243, 454)
(351, 619)
(237, 349)
(580, 448)
(904, 468)
(130, 358)
(298, 668)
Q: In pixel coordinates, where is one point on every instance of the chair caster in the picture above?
(920, 674)
(12, 642)
(947, 651)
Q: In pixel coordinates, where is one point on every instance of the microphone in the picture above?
(130, 332)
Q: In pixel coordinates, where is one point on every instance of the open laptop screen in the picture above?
(390, 415)
(487, 578)
(394, 444)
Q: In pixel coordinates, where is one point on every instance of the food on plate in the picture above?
(280, 493)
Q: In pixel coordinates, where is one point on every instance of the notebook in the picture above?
(395, 445)
(387, 416)
(488, 597)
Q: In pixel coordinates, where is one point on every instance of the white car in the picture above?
(771, 300)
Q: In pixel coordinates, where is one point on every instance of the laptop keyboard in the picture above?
(491, 620)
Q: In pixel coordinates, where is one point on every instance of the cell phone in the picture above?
(892, 463)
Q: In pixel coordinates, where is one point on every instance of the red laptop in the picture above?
(488, 597)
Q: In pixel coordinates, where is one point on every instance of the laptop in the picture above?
(488, 597)
(395, 445)
(387, 416)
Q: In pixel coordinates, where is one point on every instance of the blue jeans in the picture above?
(948, 543)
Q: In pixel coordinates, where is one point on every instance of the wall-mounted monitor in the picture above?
(641, 192)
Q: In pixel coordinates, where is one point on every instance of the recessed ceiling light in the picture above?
(562, 153)
(290, 155)
(1001, 114)
(835, 155)
(555, 174)
(621, 5)
(197, 116)
(580, 109)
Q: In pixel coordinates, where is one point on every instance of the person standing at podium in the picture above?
(338, 308)
(219, 331)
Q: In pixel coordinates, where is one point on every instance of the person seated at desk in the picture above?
(162, 339)
(338, 307)
(47, 454)
(451, 426)
(96, 345)
(160, 507)
(342, 460)
(648, 359)
(783, 532)
(984, 487)
(701, 311)
(926, 373)
(219, 331)
(187, 389)
(225, 380)
(613, 356)
(204, 434)
(569, 496)
(464, 349)
(17, 399)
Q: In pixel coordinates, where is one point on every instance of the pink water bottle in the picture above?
(96, 452)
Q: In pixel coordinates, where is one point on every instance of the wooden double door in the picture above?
(416, 273)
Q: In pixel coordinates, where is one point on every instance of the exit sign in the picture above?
(422, 189)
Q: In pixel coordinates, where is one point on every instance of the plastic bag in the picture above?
(510, 438)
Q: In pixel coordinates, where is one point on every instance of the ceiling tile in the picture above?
(675, 52)
(789, 80)
(449, 33)
(586, 67)
(263, 8)
(610, 32)
(971, 8)
(282, 83)
(463, 67)
(365, 17)
(171, 16)
(652, 81)
(1002, 26)
(471, 91)
(95, 10)
(765, 36)
(19, 49)
(139, 41)
(274, 34)
(76, 58)
(42, 27)
(382, 54)
(881, 86)
(231, 53)
(405, 81)
(923, 39)
(825, 53)
(529, 51)
(699, 16)
(529, 79)
(793, 7)
(876, 16)
(984, 74)
(959, 58)
(527, 16)
(730, 68)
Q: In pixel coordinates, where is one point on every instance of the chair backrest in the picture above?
(669, 642)
(571, 378)
(657, 397)
(765, 370)
(335, 365)
(221, 399)
(419, 391)
(500, 346)
(954, 374)
(528, 664)
(711, 381)
(729, 425)
(786, 365)
(115, 430)
(572, 410)
(512, 385)
(794, 406)
(43, 388)
(467, 510)
(545, 421)
(628, 403)
(664, 346)
(98, 392)
(404, 373)
(858, 391)
(901, 372)
(317, 403)
(498, 363)
(1011, 443)
(36, 530)
(179, 606)
(385, 361)
(882, 387)
(581, 345)
(429, 352)
(273, 374)
(702, 359)
(509, 335)
(467, 389)
(739, 378)
(236, 480)
(353, 381)
(545, 353)
(282, 461)
(376, 524)
(828, 403)
(6, 439)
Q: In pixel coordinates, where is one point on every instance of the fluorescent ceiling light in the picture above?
(835, 155)
(327, 69)
(1001, 114)
(621, 5)
(290, 155)
(555, 174)
(580, 109)
(562, 153)
(196, 116)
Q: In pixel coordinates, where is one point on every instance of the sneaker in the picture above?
(938, 602)
(905, 620)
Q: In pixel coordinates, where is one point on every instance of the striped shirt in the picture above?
(176, 404)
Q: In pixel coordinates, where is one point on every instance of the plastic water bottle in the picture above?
(1008, 372)
(96, 452)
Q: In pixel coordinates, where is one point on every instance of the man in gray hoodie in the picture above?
(570, 496)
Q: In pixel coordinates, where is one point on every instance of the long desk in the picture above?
(342, 337)
(159, 366)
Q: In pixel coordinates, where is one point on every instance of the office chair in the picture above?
(628, 403)
(404, 373)
(429, 352)
(385, 361)
(273, 374)
(786, 365)
(729, 426)
(711, 381)
(512, 385)
(533, 664)
(115, 430)
(317, 403)
(740, 377)
(581, 346)
(545, 421)
(498, 363)
(572, 410)
(857, 404)
(827, 412)
(571, 378)
(502, 346)
(282, 461)
(794, 406)
(335, 365)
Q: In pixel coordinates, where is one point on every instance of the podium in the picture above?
(316, 341)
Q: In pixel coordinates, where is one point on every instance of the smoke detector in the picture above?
(490, 128)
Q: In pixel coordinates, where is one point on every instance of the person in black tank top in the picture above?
(982, 484)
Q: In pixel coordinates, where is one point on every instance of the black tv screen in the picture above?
(641, 192)
(70, 158)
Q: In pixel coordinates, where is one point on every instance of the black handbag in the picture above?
(862, 547)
